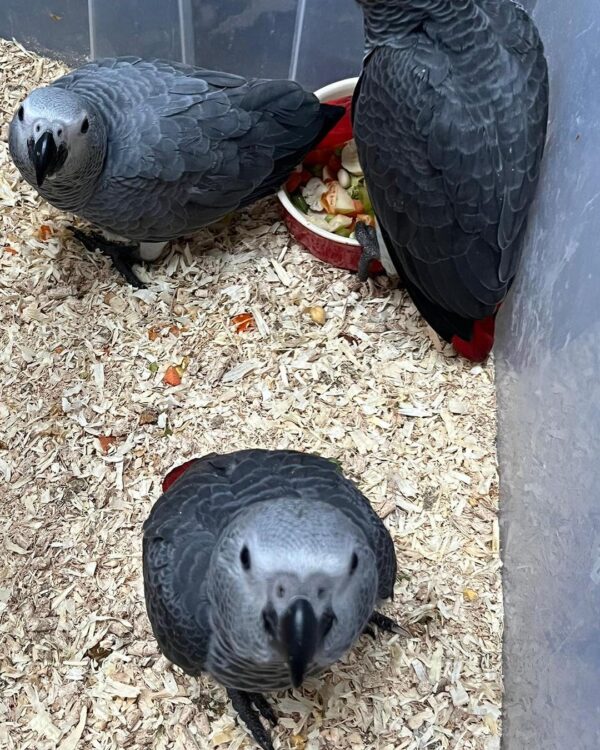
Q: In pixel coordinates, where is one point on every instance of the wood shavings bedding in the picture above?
(89, 428)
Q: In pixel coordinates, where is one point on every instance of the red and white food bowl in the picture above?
(342, 252)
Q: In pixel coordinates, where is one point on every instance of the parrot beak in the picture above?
(44, 154)
(299, 635)
(46, 157)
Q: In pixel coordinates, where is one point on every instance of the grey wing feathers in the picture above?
(189, 145)
(452, 170)
(176, 557)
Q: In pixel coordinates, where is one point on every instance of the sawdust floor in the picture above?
(88, 428)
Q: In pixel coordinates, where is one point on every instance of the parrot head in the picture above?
(292, 584)
(55, 136)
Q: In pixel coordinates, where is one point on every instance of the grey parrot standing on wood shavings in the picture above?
(149, 150)
(261, 568)
(449, 117)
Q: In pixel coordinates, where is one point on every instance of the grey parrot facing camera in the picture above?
(150, 150)
(261, 568)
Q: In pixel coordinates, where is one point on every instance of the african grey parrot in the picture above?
(449, 117)
(150, 150)
(260, 568)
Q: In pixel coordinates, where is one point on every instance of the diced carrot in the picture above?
(172, 376)
(10, 250)
(44, 232)
(293, 182)
(359, 208)
(106, 441)
(153, 334)
(243, 322)
(366, 219)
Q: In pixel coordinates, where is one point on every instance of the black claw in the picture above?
(367, 238)
(123, 257)
(369, 631)
(265, 708)
(250, 707)
(387, 625)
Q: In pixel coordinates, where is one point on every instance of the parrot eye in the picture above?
(353, 563)
(85, 125)
(245, 558)
(21, 113)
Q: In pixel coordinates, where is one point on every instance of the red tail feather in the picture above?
(342, 131)
(481, 343)
(175, 473)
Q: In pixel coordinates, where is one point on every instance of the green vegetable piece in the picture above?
(299, 202)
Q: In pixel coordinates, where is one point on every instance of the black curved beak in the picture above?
(299, 636)
(45, 156)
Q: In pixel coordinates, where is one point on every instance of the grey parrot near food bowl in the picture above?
(262, 568)
(450, 116)
(149, 151)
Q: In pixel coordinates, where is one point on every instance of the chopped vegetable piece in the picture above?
(344, 231)
(300, 203)
(338, 221)
(337, 201)
(350, 158)
(10, 250)
(106, 441)
(366, 219)
(44, 232)
(317, 315)
(296, 179)
(328, 175)
(172, 376)
(343, 178)
(243, 322)
(153, 333)
(312, 192)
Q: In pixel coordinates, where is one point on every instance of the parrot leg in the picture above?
(123, 257)
(367, 238)
(387, 625)
(250, 707)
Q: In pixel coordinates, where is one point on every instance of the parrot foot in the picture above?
(366, 236)
(123, 257)
(250, 707)
(387, 625)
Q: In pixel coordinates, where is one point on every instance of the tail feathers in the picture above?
(175, 473)
(339, 125)
(472, 339)
(332, 120)
(482, 340)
